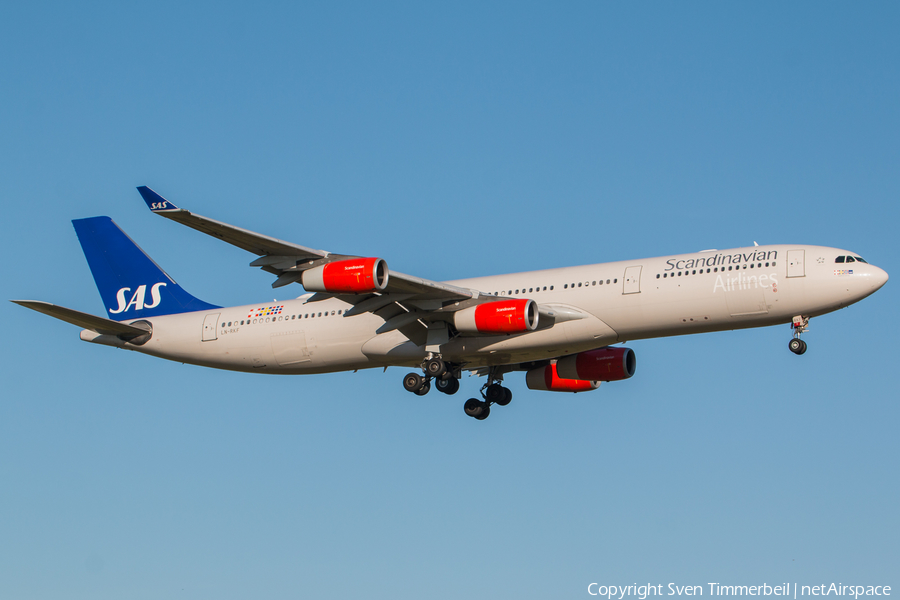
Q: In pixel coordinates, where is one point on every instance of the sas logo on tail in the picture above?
(137, 299)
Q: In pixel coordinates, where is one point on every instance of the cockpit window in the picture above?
(839, 259)
(850, 259)
(859, 259)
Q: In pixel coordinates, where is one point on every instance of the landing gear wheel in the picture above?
(435, 367)
(506, 399)
(413, 381)
(797, 346)
(495, 393)
(423, 389)
(477, 409)
(447, 386)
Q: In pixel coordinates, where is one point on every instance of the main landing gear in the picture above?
(799, 324)
(493, 393)
(436, 370)
(446, 379)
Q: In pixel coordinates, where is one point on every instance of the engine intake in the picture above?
(603, 364)
(547, 379)
(501, 316)
(352, 276)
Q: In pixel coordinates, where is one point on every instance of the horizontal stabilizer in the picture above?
(84, 320)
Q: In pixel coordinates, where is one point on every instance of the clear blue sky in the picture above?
(454, 140)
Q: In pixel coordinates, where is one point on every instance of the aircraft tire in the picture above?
(423, 389)
(796, 346)
(506, 399)
(494, 393)
(435, 367)
(474, 407)
(447, 386)
(412, 382)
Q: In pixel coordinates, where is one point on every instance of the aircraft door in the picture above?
(632, 281)
(210, 328)
(796, 263)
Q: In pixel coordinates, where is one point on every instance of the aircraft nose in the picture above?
(879, 278)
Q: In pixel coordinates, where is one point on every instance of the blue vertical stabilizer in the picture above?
(131, 284)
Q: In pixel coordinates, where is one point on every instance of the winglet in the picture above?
(154, 201)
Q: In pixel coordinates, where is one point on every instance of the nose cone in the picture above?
(879, 278)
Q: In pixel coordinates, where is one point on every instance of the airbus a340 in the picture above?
(559, 326)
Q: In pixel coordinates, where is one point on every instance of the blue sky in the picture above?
(454, 141)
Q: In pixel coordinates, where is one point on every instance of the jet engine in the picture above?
(500, 316)
(603, 364)
(548, 380)
(352, 276)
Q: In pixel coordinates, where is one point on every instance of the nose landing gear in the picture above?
(799, 325)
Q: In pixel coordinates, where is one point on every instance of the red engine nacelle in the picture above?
(501, 316)
(352, 276)
(547, 379)
(604, 364)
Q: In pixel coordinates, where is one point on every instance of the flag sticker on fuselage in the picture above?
(267, 311)
(843, 271)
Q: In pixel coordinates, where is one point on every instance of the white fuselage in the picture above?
(615, 302)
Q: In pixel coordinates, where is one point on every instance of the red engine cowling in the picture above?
(501, 316)
(604, 364)
(548, 380)
(352, 276)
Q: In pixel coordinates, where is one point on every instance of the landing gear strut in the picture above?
(799, 325)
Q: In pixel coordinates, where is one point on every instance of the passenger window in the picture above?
(566, 286)
(614, 280)
(767, 264)
(657, 275)
(579, 284)
(694, 272)
(551, 288)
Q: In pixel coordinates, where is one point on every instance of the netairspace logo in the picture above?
(641, 592)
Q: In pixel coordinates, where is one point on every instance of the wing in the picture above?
(402, 302)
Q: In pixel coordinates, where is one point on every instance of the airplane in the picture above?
(561, 327)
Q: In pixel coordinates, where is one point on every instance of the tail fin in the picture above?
(131, 284)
